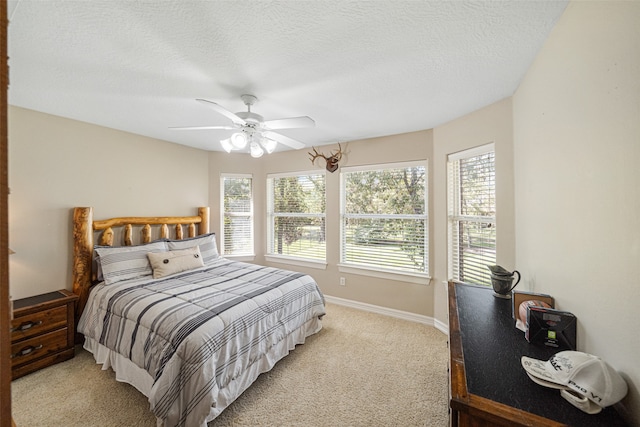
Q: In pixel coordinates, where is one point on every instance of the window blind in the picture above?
(296, 215)
(237, 215)
(472, 210)
(384, 217)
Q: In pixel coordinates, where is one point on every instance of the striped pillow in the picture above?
(207, 243)
(127, 262)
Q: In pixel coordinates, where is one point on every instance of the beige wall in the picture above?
(394, 294)
(577, 154)
(567, 148)
(141, 176)
(57, 163)
(492, 124)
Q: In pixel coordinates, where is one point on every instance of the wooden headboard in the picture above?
(84, 228)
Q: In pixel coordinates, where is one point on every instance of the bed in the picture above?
(189, 329)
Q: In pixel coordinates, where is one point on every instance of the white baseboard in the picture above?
(442, 327)
(391, 312)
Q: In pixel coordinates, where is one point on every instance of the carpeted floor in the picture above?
(362, 369)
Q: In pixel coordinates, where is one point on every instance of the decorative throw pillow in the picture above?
(206, 242)
(126, 262)
(171, 262)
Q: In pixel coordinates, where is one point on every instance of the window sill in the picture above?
(421, 279)
(320, 265)
(243, 258)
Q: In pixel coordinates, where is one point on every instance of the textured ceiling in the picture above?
(359, 68)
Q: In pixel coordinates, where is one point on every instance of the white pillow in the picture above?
(206, 242)
(171, 262)
(126, 262)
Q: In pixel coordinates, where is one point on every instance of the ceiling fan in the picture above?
(253, 130)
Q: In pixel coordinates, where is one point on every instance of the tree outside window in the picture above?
(237, 215)
(472, 214)
(384, 217)
(296, 211)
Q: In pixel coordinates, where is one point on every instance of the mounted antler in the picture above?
(332, 160)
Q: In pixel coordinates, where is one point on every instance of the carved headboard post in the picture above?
(203, 213)
(82, 254)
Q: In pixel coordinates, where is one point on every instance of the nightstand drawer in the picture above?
(39, 346)
(37, 323)
(42, 331)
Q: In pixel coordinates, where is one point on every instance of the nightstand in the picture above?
(42, 331)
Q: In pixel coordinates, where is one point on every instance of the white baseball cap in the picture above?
(585, 380)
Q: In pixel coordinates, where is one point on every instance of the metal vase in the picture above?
(502, 281)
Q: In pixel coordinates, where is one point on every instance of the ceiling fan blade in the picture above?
(290, 123)
(284, 140)
(201, 127)
(221, 110)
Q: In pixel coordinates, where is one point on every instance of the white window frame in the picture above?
(244, 256)
(270, 254)
(381, 272)
(454, 216)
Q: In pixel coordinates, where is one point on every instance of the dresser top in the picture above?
(492, 347)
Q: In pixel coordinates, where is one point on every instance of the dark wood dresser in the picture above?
(488, 386)
(42, 331)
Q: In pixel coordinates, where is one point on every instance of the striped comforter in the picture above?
(196, 332)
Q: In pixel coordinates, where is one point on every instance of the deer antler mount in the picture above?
(332, 160)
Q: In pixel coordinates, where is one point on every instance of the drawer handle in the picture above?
(26, 350)
(26, 326)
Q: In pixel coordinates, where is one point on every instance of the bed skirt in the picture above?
(126, 371)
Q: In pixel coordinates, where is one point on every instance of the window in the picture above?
(384, 217)
(472, 214)
(296, 215)
(237, 215)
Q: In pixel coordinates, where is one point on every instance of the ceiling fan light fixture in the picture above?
(269, 145)
(251, 128)
(226, 145)
(256, 150)
(239, 140)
